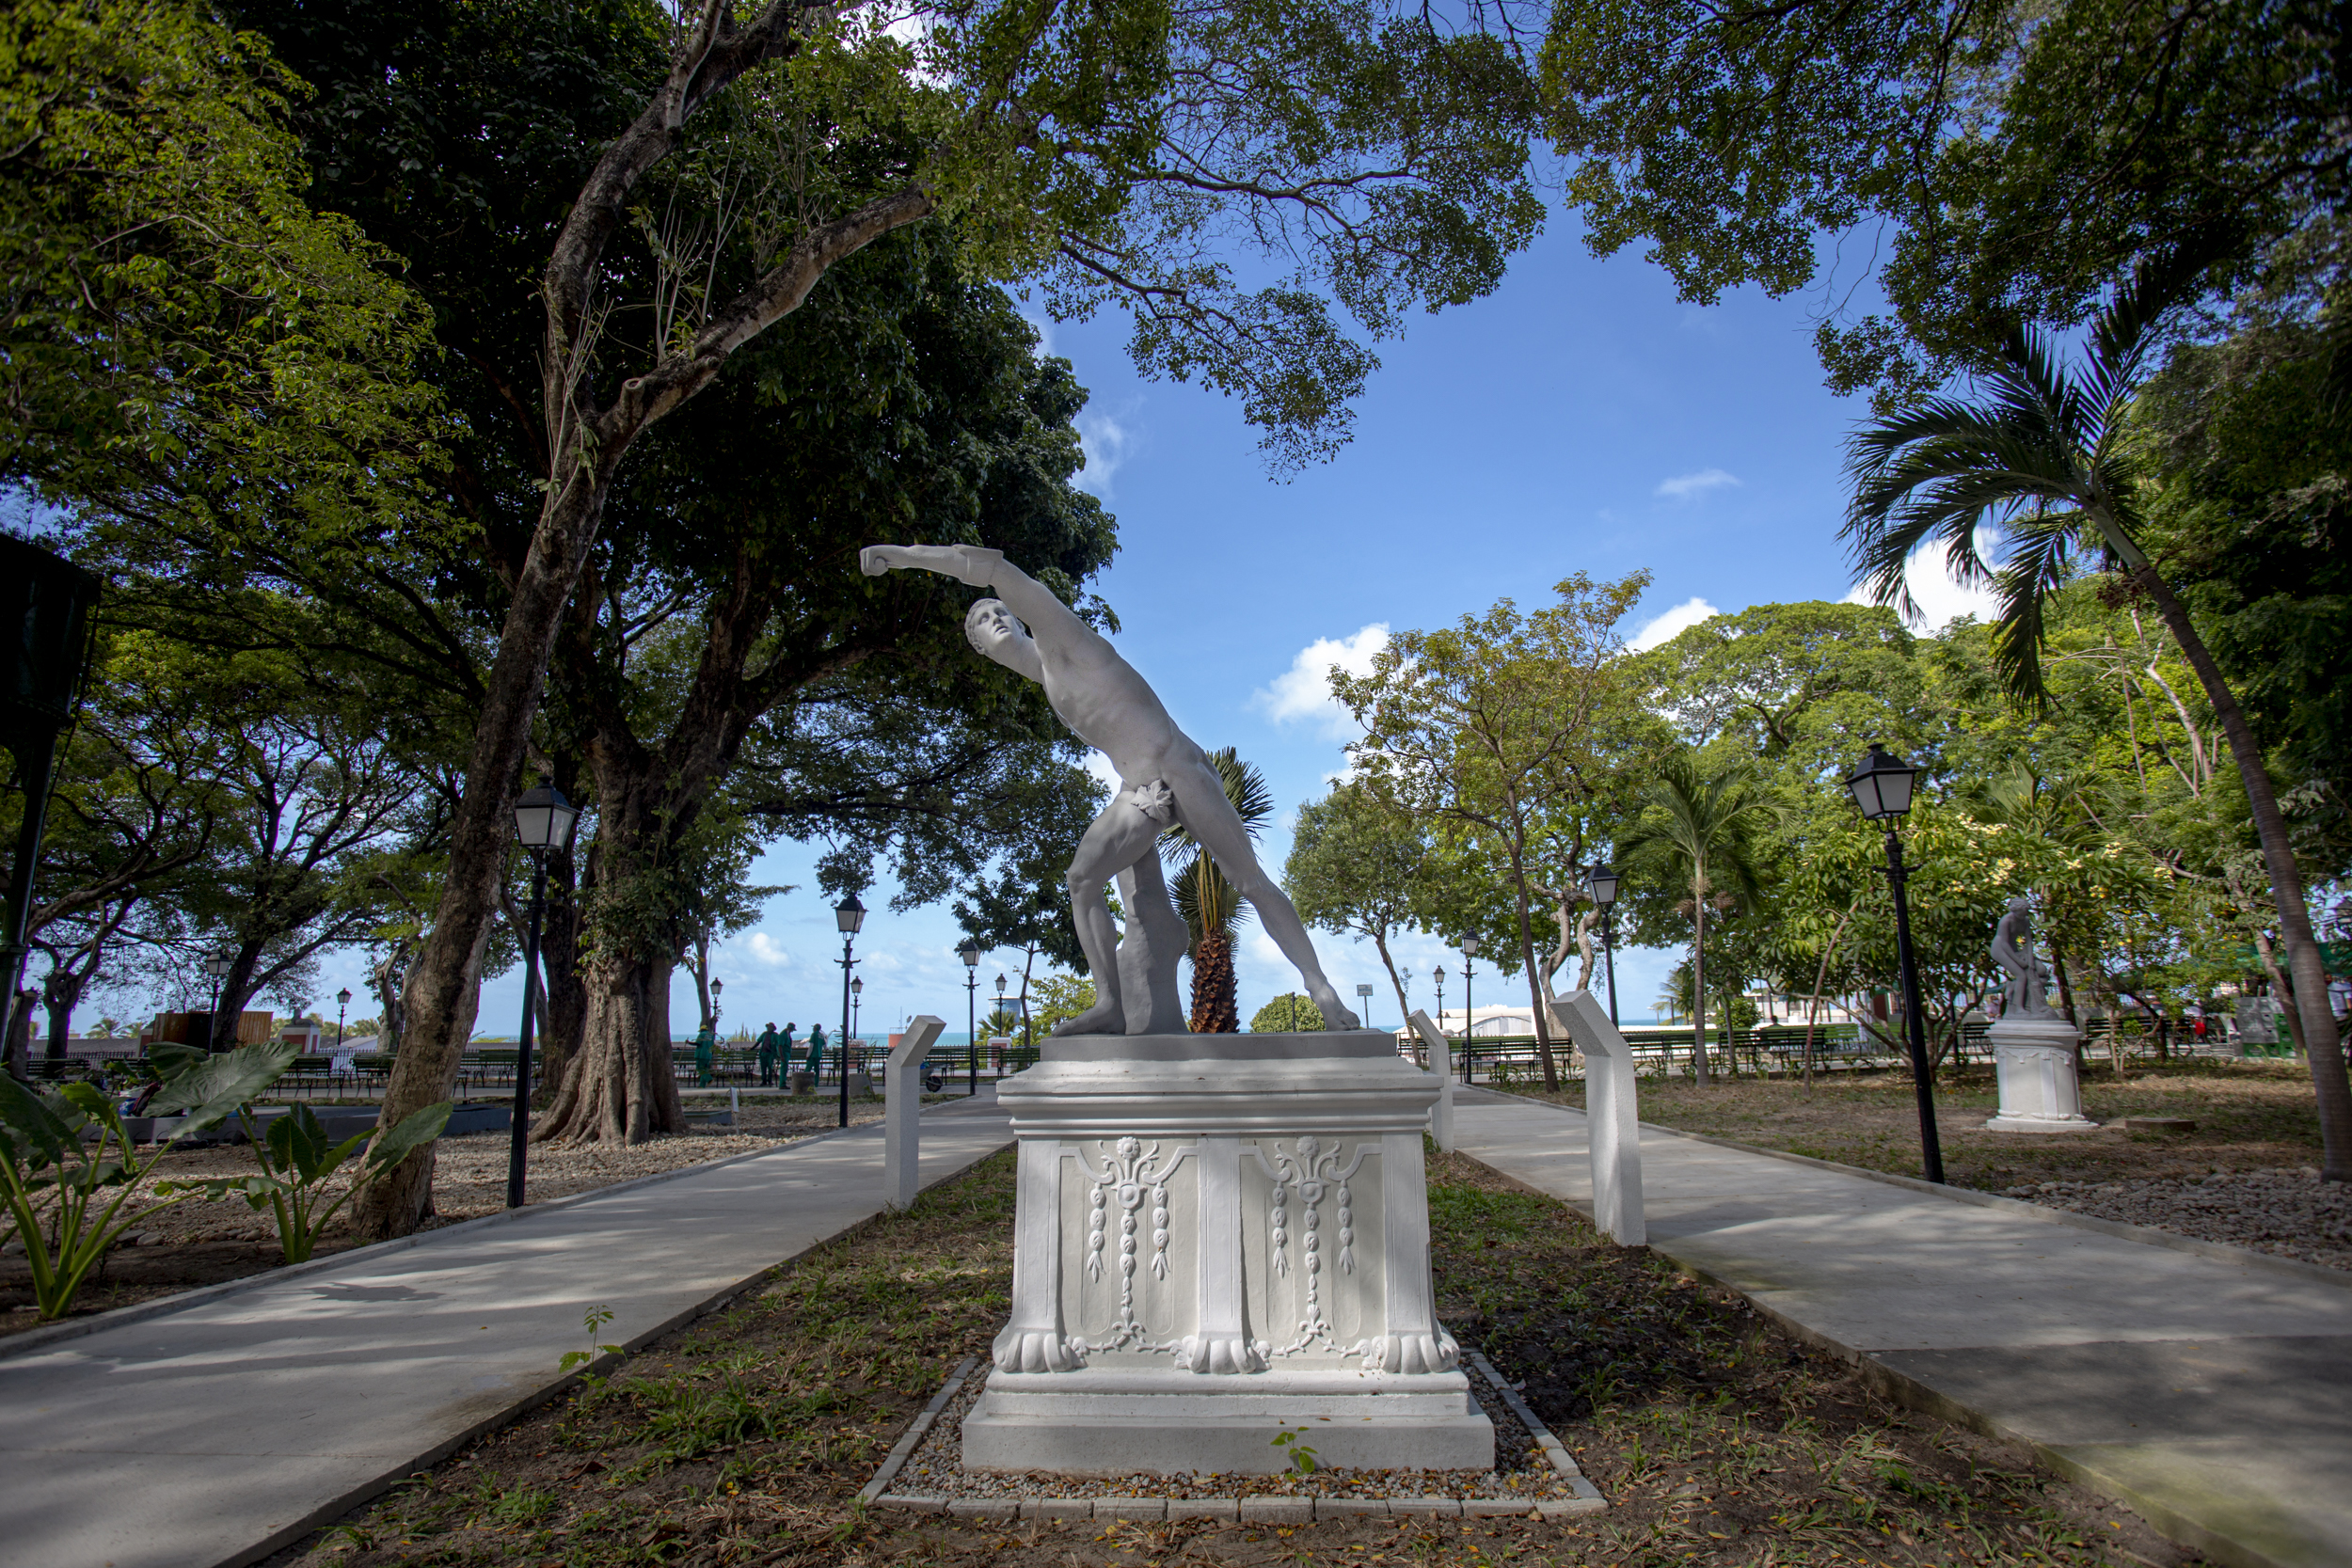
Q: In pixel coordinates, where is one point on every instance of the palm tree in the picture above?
(1210, 904)
(2046, 452)
(1700, 831)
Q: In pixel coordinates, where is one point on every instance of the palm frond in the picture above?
(2041, 560)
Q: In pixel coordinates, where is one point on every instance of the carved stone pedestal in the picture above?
(1221, 1237)
(2039, 1091)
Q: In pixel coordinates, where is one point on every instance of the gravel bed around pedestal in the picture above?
(2288, 1212)
(1533, 1475)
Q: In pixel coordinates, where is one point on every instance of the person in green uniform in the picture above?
(816, 1051)
(784, 1050)
(766, 1046)
(705, 1054)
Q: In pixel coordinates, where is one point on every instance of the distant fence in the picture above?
(1779, 1049)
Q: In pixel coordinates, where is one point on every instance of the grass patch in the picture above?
(2250, 1116)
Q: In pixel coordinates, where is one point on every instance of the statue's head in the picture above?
(997, 632)
(2021, 906)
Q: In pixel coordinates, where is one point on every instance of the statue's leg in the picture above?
(1147, 952)
(1201, 805)
(1118, 837)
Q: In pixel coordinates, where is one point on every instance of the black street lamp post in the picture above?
(217, 965)
(970, 954)
(1602, 880)
(342, 1005)
(999, 1013)
(848, 915)
(1881, 788)
(1469, 1011)
(857, 999)
(543, 821)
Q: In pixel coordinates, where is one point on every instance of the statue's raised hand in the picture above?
(966, 563)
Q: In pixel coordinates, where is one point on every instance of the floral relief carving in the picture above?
(1312, 1173)
(1130, 1176)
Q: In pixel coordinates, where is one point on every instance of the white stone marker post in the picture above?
(1612, 1118)
(903, 1113)
(1441, 1114)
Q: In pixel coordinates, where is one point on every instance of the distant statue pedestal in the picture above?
(1220, 1238)
(2040, 1090)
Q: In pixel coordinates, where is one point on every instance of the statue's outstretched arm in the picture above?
(980, 568)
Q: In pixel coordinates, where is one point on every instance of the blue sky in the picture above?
(1579, 418)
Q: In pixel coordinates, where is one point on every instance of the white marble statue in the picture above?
(1165, 779)
(2027, 993)
(2033, 1045)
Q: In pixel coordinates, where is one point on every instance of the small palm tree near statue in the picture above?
(1699, 832)
(1211, 905)
(2047, 455)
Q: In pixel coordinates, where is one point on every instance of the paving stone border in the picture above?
(1241, 1510)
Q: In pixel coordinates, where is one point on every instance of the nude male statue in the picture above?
(1163, 776)
(2027, 993)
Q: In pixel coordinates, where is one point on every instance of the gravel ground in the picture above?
(936, 1470)
(2289, 1213)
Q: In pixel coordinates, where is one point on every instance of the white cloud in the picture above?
(1937, 596)
(1665, 627)
(1683, 486)
(1303, 691)
(1107, 443)
(765, 949)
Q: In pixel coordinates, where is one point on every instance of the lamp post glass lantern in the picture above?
(1882, 789)
(543, 821)
(849, 917)
(1602, 880)
(970, 954)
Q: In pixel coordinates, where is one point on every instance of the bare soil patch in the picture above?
(182, 1246)
(743, 1438)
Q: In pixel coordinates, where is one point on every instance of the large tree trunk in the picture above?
(444, 987)
(619, 1088)
(559, 962)
(1537, 991)
(400, 1202)
(586, 443)
(2323, 1046)
(1698, 991)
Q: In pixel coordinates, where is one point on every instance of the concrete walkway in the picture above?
(2208, 1388)
(216, 1432)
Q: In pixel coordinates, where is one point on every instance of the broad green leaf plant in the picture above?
(296, 1159)
(64, 1152)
